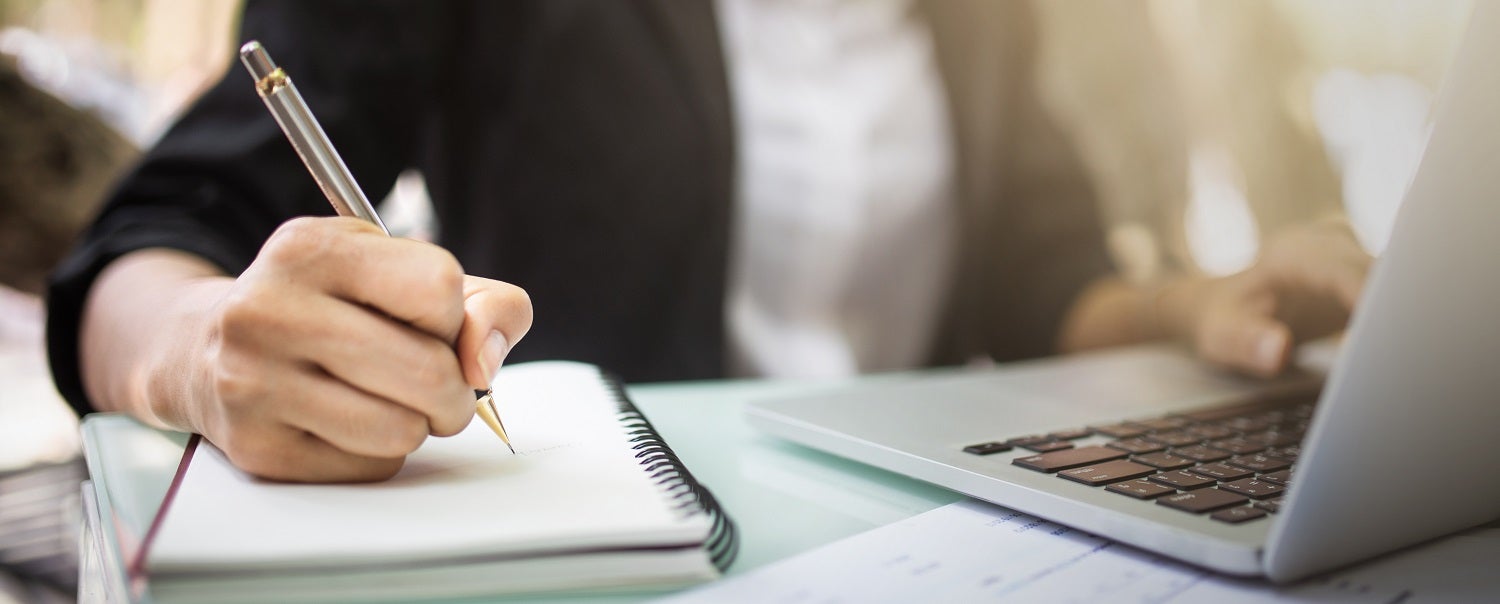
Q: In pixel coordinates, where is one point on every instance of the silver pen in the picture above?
(328, 169)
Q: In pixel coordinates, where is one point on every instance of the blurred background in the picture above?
(1207, 126)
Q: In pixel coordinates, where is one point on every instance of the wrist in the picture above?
(177, 377)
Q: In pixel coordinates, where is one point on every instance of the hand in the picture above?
(339, 350)
(1304, 286)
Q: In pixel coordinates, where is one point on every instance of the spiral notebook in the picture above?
(592, 500)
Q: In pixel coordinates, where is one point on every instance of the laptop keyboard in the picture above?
(1232, 463)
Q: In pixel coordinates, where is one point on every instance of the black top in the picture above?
(583, 150)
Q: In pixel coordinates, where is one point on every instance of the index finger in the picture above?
(417, 283)
(1324, 259)
(1341, 274)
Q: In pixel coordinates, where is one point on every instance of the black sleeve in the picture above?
(1056, 250)
(1053, 243)
(224, 176)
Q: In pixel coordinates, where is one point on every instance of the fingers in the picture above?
(267, 412)
(416, 283)
(1304, 286)
(496, 316)
(388, 360)
(1349, 276)
(280, 329)
(1321, 258)
(350, 420)
(1245, 338)
(292, 455)
(1338, 274)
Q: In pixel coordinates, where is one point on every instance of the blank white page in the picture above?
(574, 483)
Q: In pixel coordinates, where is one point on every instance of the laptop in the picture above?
(1400, 443)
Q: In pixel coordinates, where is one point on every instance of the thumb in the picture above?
(496, 316)
(1245, 340)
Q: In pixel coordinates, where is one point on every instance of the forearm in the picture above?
(1111, 312)
(145, 330)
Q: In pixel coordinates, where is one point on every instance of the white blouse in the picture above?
(843, 233)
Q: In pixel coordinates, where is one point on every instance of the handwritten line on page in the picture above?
(974, 551)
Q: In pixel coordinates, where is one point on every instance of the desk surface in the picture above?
(785, 499)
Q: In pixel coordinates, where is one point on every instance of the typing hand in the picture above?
(341, 349)
(1304, 285)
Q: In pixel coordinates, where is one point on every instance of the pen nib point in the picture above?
(485, 407)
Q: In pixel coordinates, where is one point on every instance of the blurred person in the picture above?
(686, 190)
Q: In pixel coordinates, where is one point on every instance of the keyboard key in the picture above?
(1258, 436)
(1068, 458)
(1021, 441)
(1164, 461)
(1252, 488)
(1271, 439)
(1292, 452)
(1176, 438)
(1218, 471)
(1284, 439)
(988, 448)
(1120, 430)
(1072, 434)
(1283, 477)
(1210, 431)
(1107, 472)
(1140, 489)
(1163, 423)
(1137, 445)
(1245, 424)
(1048, 445)
(1183, 480)
(1236, 515)
(1238, 445)
(1200, 453)
(1270, 505)
(1201, 500)
(1260, 463)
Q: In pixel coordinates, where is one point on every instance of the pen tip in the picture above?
(485, 407)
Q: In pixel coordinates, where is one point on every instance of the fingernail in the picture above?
(492, 355)
(1269, 350)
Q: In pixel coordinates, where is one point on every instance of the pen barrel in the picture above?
(307, 137)
(313, 146)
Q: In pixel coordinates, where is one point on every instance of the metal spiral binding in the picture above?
(669, 473)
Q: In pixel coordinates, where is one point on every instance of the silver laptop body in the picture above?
(1404, 445)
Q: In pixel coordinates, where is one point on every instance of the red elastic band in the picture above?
(137, 569)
